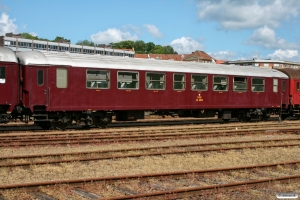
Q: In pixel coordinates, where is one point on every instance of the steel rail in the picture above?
(198, 190)
(147, 176)
(147, 148)
(121, 138)
(45, 135)
(94, 158)
(146, 122)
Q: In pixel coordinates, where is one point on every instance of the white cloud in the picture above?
(266, 37)
(7, 25)
(223, 55)
(154, 31)
(130, 28)
(112, 35)
(186, 45)
(287, 54)
(235, 14)
(33, 34)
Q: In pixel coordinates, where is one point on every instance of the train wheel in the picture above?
(60, 124)
(101, 122)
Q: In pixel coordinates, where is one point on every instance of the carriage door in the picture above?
(39, 86)
(6, 84)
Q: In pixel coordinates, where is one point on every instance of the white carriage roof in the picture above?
(7, 55)
(125, 63)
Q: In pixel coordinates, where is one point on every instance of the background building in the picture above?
(265, 63)
(17, 43)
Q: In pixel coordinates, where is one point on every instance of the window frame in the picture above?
(183, 83)
(3, 79)
(151, 81)
(40, 78)
(97, 80)
(283, 89)
(264, 84)
(215, 84)
(275, 86)
(246, 84)
(65, 78)
(194, 83)
(132, 80)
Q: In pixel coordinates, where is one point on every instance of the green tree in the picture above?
(139, 46)
(59, 38)
(85, 43)
(158, 49)
(169, 50)
(29, 36)
(126, 44)
(149, 47)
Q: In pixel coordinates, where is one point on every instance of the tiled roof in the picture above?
(202, 55)
(176, 57)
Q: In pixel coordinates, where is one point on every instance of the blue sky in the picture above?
(225, 29)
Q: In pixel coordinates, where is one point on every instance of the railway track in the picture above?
(174, 185)
(148, 122)
(58, 158)
(142, 134)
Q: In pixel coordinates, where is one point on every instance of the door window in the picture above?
(2, 75)
(61, 78)
(40, 77)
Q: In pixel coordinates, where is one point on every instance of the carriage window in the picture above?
(2, 75)
(97, 79)
(155, 81)
(258, 85)
(199, 82)
(179, 82)
(240, 84)
(128, 80)
(283, 85)
(61, 78)
(220, 83)
(297, 87)
(275, 85)
(40, 77)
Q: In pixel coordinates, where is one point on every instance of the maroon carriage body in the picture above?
(65, 85)
(9, 83)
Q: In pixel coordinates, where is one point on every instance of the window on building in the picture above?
(258, 85)
(155, 81)
(63, 48)
(198, 82)
(275, 85)
(240, 84)
(128, 80)
(97, 79)
(220, 83)
(53, 47)
(40, 77)
(179, 82)
(2, 75)
(61, 78)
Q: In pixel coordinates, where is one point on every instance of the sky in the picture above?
(225, 29)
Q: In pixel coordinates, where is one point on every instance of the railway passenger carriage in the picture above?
(9, 83)
(293, 107)
(60, 88)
